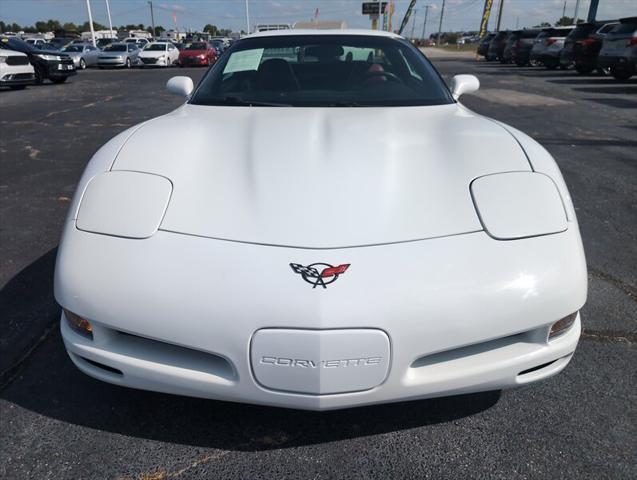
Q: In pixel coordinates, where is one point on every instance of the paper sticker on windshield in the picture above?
(244, 60)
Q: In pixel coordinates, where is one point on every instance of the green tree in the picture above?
(564, 21)
(69, 27)
(542, 25)
(211, 29)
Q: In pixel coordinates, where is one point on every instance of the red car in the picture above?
(198, 53)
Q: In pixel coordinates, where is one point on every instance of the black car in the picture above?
(496, 47)
(583, 44)
(511, 39)
(51, 64)
(483, 46)
(521, 49)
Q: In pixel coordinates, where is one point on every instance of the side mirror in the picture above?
(464, 84)
(181, 86)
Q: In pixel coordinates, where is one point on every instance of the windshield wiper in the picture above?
(345, 103)
(250, 103)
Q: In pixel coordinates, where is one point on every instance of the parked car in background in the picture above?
(483, 46)
(35, 41)
(496, 46)
(159, 54)
(47, 64)
(521, 48)
(197, 54)
(583, 44)
(548, 45)
(140, 42)
(83, 54)
(507, 53)
(15, 70)
(119, 55)
(102, 43)
(619, 49)
(46, 46)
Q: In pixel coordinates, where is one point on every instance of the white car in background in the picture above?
(159, 54)
(319, 232)
(15, 70)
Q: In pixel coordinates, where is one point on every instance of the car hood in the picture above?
(153, 54)
(321, 177)
(191, 53)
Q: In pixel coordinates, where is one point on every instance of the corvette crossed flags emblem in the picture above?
(311, 274)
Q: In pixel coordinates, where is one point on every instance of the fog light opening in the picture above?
(562, 326)
(79, 325)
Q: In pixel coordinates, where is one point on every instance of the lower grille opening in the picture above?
(536, 368)
(168, 354)
(469, 351)
(102, 366)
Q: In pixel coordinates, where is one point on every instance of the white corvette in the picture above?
(332, 229)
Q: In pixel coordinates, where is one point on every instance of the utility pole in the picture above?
(576, 12)
(413, 25)
(380, 14)
(424, 25)
(110, 23)
(564, 10)
(497, 26)
(442, 12)
(247, 17)
(90, 21)
(152, 18)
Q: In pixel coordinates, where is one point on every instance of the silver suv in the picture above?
(619, 50)
(548, 45)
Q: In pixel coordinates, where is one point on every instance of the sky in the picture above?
(194, 14)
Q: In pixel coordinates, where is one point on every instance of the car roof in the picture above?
(348, 31)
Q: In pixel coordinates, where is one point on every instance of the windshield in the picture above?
(155, 47)
(322, 71)
(115, 48)
(196, 46)
(73, 48)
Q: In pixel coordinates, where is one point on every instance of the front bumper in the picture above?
(606, 61)
(64, 68)
(462, 314)
(112, 62)
(23, 78)
(192, 61)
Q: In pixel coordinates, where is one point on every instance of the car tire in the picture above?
(59, 80)
(583, 69)
(128, 63)
(39, 75)
(605, 72)
(622, 73)
(17, 87)
(520, 63)
(82, 64)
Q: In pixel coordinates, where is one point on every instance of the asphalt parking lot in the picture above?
(57, 423)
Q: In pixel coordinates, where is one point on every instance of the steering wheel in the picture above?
(388, 75)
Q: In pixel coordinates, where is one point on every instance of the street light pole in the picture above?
(110, 23)
(152, 19)
(90, 21)
(576, 12)
(380, 14)
(442, 12)
(413, 25)
(424, 25)
(248, 17)
(497, 27)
